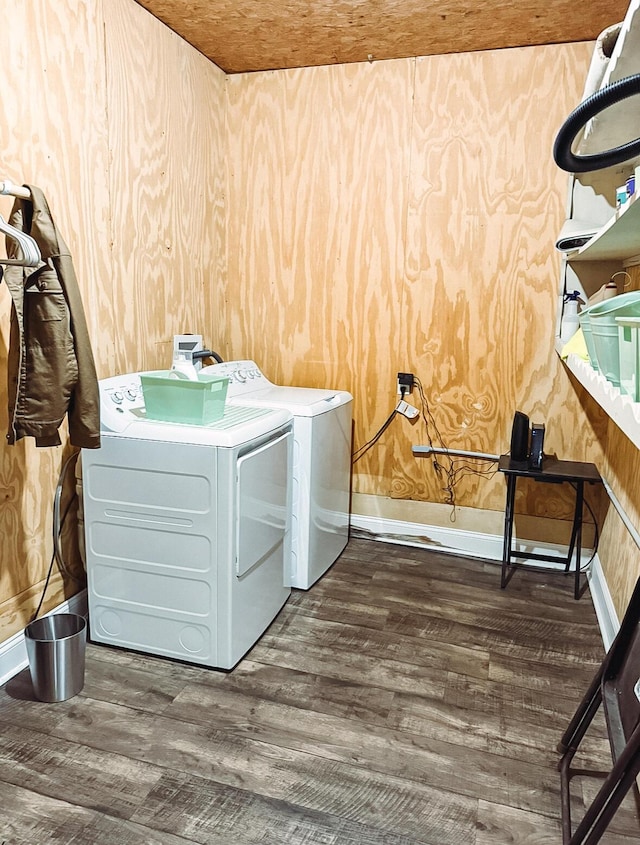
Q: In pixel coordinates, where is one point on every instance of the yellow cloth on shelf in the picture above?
(575, 346)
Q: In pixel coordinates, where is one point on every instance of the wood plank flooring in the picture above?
(404, 700)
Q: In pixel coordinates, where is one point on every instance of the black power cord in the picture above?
(401, 408)
(596, 529)
(455, 468)
(58, 524)
(52, 561)
(366, 446)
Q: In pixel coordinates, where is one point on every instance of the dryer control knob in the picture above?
(241, 375)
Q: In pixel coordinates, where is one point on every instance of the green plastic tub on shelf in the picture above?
(602, 318)
(172, 397)
(585, 325)
(629, 349)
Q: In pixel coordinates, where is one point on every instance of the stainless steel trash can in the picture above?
(56, 648)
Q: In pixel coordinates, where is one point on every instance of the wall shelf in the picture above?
(620, 408)
(618, 239)
(618, 236)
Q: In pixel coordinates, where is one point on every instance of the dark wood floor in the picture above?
(404, 699)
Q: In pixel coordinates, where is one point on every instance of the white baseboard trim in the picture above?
(13, 652)
(488, 546)
(603, 603)
(454, 541)
(434, 537)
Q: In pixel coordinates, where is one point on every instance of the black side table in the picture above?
(552, 472)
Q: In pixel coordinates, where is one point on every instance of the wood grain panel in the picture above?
(132, 162)
(480, 269)
(331, 165)
(317, 202)
(515, 827)
(379, 749)
(38, 817)
(240, 35)
(53, 134)
(308, 781)
(166, 123)
(303, 743)
(281, 749)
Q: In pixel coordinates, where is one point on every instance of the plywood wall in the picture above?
(318, 197)
(166, 119)
(121, 124)
(53, 134)
(480, 267)
(401, 217)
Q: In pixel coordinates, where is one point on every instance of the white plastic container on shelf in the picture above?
(629, 346)
(569, 324)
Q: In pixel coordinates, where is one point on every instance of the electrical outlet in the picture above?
(407, 410)
(404, 383)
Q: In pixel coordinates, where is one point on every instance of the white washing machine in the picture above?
(321, 464)
(187, 528)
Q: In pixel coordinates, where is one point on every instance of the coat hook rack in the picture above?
(9, 189)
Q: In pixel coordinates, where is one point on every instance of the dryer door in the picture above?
(264, 504)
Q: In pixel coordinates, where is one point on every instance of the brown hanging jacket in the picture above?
(51, 370)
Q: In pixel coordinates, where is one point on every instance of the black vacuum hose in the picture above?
(207, 353)
(590, 107)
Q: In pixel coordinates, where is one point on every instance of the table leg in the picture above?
(508, 529)
(578, 527)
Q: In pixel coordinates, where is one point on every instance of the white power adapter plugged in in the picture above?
(407, 410)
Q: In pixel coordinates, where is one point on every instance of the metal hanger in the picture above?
(31, 256)
(30, 252)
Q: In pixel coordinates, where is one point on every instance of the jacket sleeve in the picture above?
(84, 405)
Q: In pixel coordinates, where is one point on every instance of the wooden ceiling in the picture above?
(250, 35)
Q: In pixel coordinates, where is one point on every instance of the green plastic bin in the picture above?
(629, 350)
(171, 397)
(585, 325)
(602, 318)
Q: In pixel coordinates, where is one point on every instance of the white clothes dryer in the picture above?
(321, 463)
(187, 528)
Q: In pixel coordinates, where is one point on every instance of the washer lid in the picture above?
(301, 401)
(249, 386)
(239, 425)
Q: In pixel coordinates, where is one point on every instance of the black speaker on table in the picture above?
(520, 437)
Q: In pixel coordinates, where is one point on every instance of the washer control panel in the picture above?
(244, 376)
(121, 401)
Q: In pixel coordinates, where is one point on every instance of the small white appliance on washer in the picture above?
(321, 464)
(187, 528)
